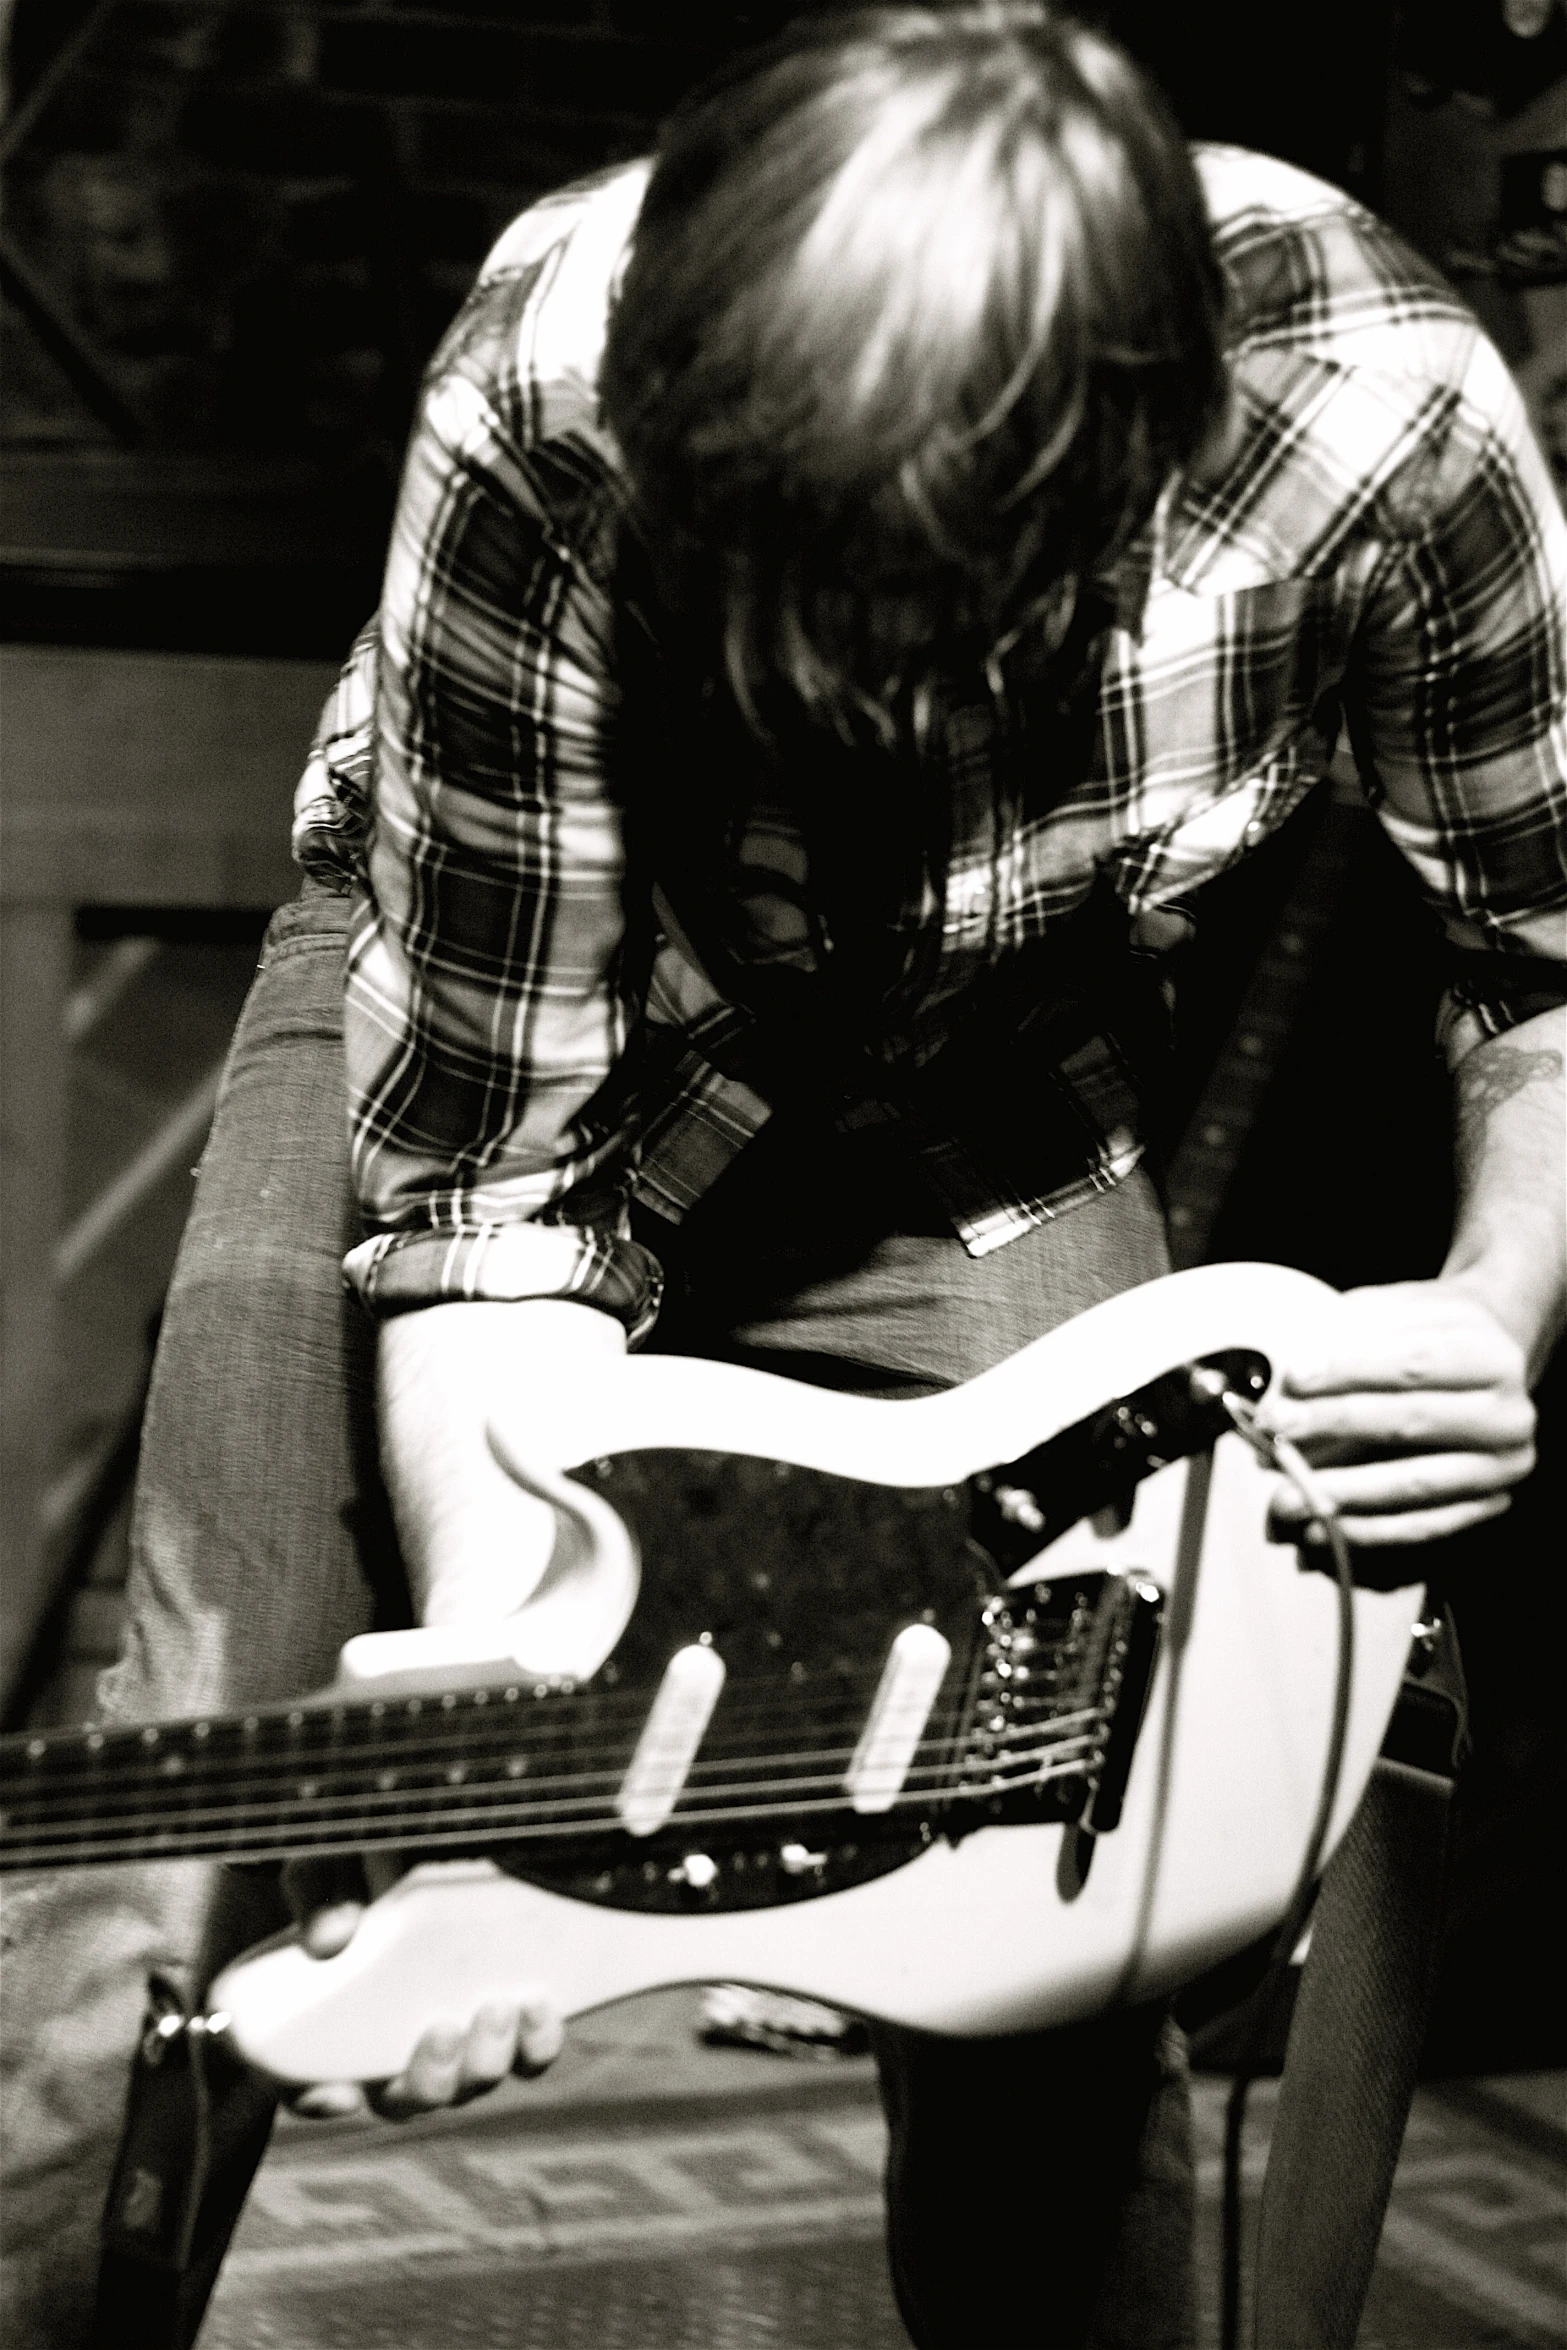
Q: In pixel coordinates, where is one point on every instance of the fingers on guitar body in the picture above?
(452, 2065)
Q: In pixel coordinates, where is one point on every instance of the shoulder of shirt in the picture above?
(528, 342)
(1348, 354)
(1309, 269)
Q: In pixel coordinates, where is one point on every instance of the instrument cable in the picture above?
(1276, 1452)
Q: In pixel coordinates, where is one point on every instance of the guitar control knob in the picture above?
(1019, 1507)
(698, 1870)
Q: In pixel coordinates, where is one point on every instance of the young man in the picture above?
(849, 588)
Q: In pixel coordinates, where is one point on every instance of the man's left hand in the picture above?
(1413, 1407)
(455, 2058)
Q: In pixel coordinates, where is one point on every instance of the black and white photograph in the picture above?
(783, 1175)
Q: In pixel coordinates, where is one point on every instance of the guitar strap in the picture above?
(1360, 2019)
(195, 2126)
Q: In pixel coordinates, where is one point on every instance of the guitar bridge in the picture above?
(1064, 1675)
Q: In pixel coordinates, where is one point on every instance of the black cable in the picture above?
(1279, 1453)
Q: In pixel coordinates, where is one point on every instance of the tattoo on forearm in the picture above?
(1488, 1078)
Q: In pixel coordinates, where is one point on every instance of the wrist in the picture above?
(1520, 1296)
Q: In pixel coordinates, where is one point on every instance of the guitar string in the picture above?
(394, 1809)
(151, 1748)
(457, 1831)
(149, 1752)
(60, 1751)
(456, 1827)
(33, 1763)
(278, 1777)
(486, 1801)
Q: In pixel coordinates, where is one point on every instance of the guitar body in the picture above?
(967, 1887)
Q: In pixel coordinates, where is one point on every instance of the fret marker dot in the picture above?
(172, 1765)
(94, 1740)
(36, 1749)
(386, 1780)
(516, 1767)
(149, 1737)
(296, 1719)
(202, 1730)
(456, 1775)
(448, 1701)
(309, 1789)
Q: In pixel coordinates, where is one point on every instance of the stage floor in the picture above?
(655, 2194)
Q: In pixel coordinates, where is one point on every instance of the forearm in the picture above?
(1509, 1247)
(474, 1544)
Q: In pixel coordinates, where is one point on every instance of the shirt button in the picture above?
(1255, 831)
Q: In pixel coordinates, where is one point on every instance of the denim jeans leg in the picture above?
(1039, 2189)
(260, 1543)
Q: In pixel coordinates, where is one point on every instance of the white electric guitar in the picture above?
(976, 1713)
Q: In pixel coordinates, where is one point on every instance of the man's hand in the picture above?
(455, 2058)
(1415, 1403)
(1414, 1408)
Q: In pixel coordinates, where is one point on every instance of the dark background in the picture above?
(233, 232)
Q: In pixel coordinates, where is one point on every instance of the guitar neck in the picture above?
(520, 1762)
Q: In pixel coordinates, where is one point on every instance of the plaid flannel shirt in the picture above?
(1373, 534)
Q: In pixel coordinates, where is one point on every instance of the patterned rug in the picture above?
(653, 2194)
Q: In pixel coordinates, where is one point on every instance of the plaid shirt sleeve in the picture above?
(332, 800)
(489, 1005)
(1460, 681)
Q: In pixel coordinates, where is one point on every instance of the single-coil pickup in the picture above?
(916, 1665)
(673, 1731)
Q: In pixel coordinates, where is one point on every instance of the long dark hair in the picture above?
(920, 313)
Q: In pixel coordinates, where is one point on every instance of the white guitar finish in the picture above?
(976, 1937)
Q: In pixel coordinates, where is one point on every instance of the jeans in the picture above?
(1040, 2188)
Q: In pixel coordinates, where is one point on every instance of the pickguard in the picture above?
(800, 1579)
